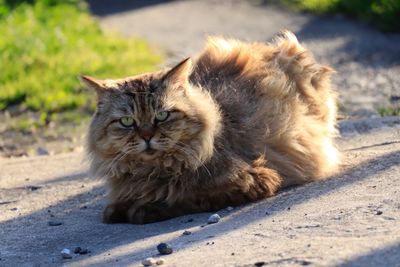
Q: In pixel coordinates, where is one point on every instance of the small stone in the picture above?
(164, 249)
(148, 262)
(186, 232)
(54, 223)
(34, 187)
(189, 220)
(84, 251)
(42, 151)
(379, 212)
(77, 250)
(230, 208)
(259, 263)
(160, 261)
(66, 253)
(214, 218)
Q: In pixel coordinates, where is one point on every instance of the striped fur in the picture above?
(245, 120)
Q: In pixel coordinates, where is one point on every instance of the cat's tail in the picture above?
(311, 80)
(312, 86)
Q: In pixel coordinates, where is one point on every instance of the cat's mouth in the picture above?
(150, 151)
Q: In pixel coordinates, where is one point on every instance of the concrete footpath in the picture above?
(352, 219)
(49, 203)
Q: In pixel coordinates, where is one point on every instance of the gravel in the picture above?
(54, 223)
(41, 151)
(186, 232)
(148, 262)
(160, 261)
(215, 218)
(84, 251)
(66, 253)
(164, 249)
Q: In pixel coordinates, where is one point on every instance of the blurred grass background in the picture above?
(385, 14)
(46, 44)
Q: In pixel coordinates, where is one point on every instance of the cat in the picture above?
(230, 126)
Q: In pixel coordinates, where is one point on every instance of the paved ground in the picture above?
(351, 220)
(367, 61)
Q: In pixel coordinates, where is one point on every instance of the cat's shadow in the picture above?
(82, 226)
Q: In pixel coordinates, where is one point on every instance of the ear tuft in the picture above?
(92, 83)
(180, 73)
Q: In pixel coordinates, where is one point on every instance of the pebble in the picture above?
(259, 263)
(41, 151)
(77, 250)
(148, 262)
(186, 232)
(164, 249)
(229, 208)
(84, 251)
(34, 187)
(214, 218)
(379, 212)
(66, 253)
(160, 261)
(54, 223)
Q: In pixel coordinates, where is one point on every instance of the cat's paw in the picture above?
(147, 214)
(115, 213)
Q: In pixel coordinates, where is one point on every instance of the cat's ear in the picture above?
(92, 83)
(179, 75)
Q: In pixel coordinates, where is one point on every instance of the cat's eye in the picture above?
(162, 115)
(127, 121)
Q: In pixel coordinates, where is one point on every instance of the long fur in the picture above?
(248, 119)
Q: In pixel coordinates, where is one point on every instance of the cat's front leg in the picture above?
(116, 212)
(155, 212)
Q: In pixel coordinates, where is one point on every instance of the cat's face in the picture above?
(148, 117)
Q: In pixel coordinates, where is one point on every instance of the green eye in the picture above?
(126, 121)
(162, 115)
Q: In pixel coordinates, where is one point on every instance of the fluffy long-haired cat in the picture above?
(231, 126)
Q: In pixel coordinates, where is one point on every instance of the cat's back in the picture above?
(275, 96)
(229, 64)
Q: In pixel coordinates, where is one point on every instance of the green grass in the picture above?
(383, 13)
(389, 111)
(45, 46)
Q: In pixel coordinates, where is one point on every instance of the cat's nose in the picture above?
(146, 131)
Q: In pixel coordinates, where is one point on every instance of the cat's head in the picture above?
(156, 118)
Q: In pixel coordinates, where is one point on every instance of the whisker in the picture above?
(128, 149)
(189, 152)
